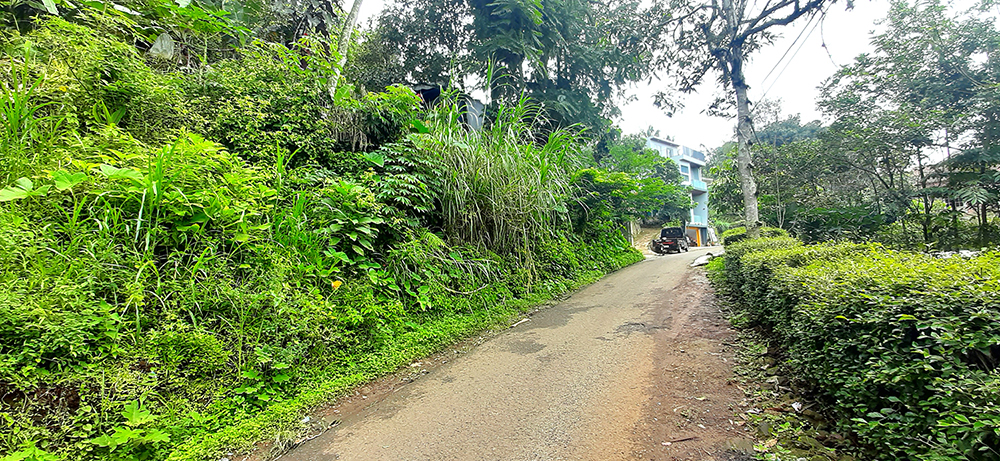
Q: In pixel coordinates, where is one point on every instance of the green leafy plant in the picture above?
(21, 189)
(133, 440)
(30, 452)
(260, 388)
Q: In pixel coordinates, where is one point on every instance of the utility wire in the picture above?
(753, 130)
(789, 49)
(790, 59)
(822, 37)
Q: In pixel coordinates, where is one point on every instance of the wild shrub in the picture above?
(273, 100)
(94, 80)
(901, 347)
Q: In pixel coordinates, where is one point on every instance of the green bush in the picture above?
(739, 233)
(902, 348)
(735, 252)
(757, 265)
(906, 345)
(275, 101)
(95, 80)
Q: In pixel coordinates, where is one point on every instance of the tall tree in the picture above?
(720, 35)
(343, 44)
(573, 56)
(929, 85)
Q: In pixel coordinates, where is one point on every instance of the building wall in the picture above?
(690, 163)
(699, 214)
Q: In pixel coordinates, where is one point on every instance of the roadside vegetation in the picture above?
(213, 217)
(897, 349)
(869, 311)
(199, 240)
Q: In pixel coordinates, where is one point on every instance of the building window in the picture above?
(685, 169)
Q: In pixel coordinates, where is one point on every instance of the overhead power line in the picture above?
(782, 58)
(793, 56)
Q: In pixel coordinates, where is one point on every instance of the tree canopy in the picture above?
(575, 57)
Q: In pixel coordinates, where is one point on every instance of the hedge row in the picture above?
(739, 233)
(903, 348)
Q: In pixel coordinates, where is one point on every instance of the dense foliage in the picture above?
(192, 257)
(899, 347)
(574, 58)
(739, 233)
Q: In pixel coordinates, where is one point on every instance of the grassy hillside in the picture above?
(191, 258)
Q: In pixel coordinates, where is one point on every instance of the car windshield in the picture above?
(672, 232)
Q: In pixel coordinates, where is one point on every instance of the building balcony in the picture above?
(693, 153)
(697, 185)
(698, 220)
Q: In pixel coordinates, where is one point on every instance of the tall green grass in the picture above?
(27, 130)
(507, 186)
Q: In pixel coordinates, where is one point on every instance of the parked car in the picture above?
(670, 239)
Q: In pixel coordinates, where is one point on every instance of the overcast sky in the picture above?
(846, 34)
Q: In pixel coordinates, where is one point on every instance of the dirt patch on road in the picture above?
(642, 239)
(690, 411)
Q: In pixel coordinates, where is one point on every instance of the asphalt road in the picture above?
(634, 366)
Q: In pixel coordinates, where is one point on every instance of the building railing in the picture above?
(693, 153)
(699, 185)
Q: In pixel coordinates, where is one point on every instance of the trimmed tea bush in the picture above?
(902, 347)
(739, 233)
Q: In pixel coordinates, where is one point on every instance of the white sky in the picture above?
(847, 34)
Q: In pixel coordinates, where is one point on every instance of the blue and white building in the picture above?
(691, 163)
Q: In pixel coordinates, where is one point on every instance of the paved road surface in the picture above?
(631, 367)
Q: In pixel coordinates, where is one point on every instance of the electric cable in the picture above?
(782, 58)
(785, 54)
(789, 61)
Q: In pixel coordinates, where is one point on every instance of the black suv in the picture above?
(671, 239)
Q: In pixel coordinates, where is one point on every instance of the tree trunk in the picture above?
(343, 44)
(743, 136)
(983, 218)
(925, 221)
